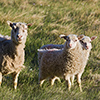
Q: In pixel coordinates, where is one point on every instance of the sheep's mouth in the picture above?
(85, 48)
(19, 40)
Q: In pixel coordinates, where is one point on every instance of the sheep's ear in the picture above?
(93, 38)
(80, 37)
(10, 23)
(30, 24)
(63, 36)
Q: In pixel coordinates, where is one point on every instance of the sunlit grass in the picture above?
(49, 19)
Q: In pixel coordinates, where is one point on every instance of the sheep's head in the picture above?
(71, 40)
(19, 32)
(86, 42)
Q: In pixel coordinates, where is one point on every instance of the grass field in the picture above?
(50, 18)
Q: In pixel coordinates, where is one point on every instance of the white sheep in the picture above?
(74, 64)
(12, 51)
(86, 42)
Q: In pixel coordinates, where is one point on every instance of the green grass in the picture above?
(50, 18)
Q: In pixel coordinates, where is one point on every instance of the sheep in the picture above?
(67, 63)
(86, 48)
(12, 52)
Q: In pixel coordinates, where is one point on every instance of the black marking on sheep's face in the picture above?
(86, 43)
(12, 25)
(65, 37)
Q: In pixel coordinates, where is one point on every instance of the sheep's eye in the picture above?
(81, 41)
(75, 40)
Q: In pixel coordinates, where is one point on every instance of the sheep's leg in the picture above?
(72, 79)
(41, 82)
(15, 79)
(53, 80)
(58, 79)
(41, 79)
(79, 81)
(69, 82)
(0, 78)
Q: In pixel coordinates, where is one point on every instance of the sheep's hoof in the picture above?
(15, 86)
(81, 90)
(0, 84)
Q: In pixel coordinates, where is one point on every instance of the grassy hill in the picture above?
(50, 18)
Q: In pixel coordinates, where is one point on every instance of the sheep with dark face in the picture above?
(76, 62)
(12, 52)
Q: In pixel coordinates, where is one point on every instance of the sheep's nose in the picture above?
(87, 47)
(19, 36)
(70, 45)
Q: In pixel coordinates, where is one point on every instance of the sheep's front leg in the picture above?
(72, 79)
(67, 78)
(0, 78)
(79, 81)
(15, 79)
(41, 82)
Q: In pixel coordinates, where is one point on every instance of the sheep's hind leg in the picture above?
(41, 82)
(53, 80)
(41, 79)
(15, 79)
(0, 78)
(58, 79)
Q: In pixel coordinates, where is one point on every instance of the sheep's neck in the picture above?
(17, 48)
